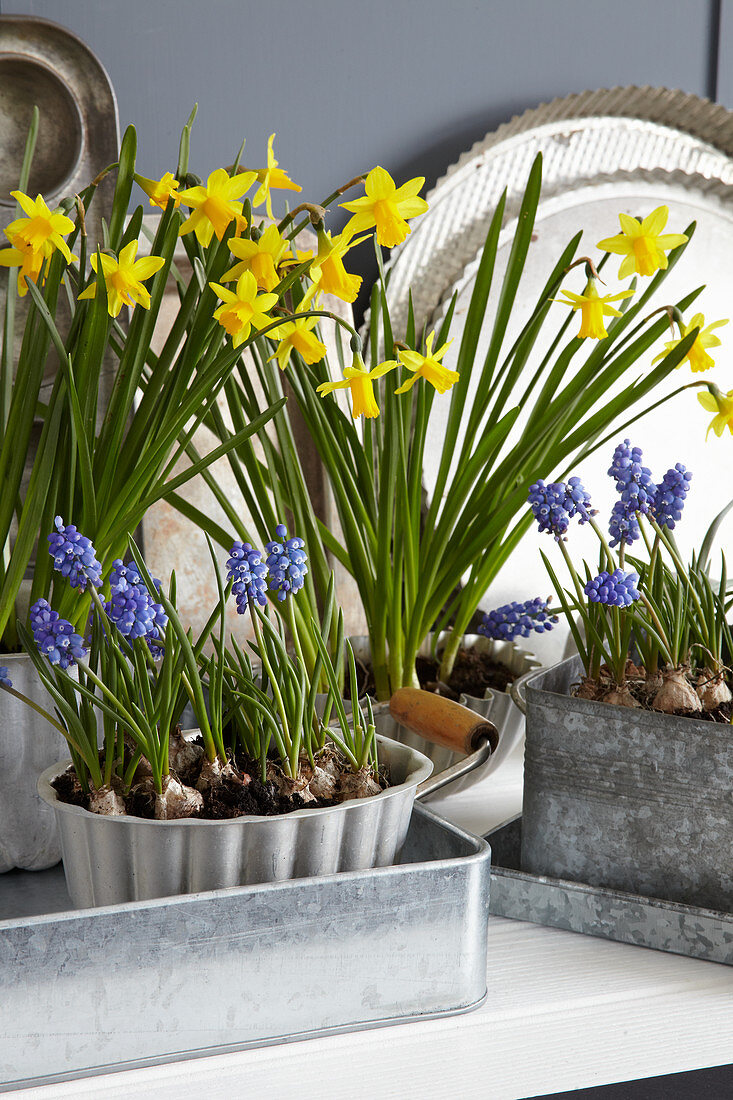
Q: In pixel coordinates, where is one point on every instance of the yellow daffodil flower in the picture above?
(160, 191)
(385, 206)
(327, 272)
(593, 308)
(123, 278)
(297, 335)
(34, 239)
(261, 257)
(722, 405)
(427, 366)
(244, 308)
(359, 380)
(29, 262)
(270, 178)
(642, 244)
(697, 355)
(215, 205)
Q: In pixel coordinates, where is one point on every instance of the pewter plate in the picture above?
(624, 150)
(44, 65)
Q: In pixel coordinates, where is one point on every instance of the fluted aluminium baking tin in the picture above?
(595, 911)
(139, 984)
(110, 860)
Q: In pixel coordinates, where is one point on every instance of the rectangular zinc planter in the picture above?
(624, 798)
(148, 982)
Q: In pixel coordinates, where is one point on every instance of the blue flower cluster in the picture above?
(517, 620)
(74, 556)
(286, 561)
(248, 571)
(670, 496)
(55, 636)
(623, 525)
(5, 676)
(131, 607)
(554, 505)
(639, 494)
(617, 589)
(283, 571)
(637, 491)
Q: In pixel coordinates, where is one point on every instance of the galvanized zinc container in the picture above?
(626, 799)
(204, 974)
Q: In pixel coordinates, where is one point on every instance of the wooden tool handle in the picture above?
(442, 721)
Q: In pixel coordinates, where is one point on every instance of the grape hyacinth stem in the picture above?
(253, 610)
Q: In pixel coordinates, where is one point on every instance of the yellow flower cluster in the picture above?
(263, 258)
(359, 380)
(34, 239)
(644, 247)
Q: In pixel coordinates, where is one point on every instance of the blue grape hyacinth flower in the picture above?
(617, 589)
(623, 525)
(670, 496)
(131, 607)
(517, 620)
(247, 570)
(55, 637)
(634, 481)
(554, 505)
(286, 561)
(74, 557)
(5, 676)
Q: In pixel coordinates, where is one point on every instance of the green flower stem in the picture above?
(380, 665)
(294, 632)
(577, 582)
(660, 629)
(682, 572)
(450, 652)
(127, 718)
(44, 714)
(604, 543)
(254, 615)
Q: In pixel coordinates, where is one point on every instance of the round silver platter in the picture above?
(627, 149)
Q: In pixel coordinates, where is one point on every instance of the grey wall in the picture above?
(408, 84)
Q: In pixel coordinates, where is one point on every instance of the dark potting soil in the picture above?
(472, 674)
(68, 789)
(230, 798)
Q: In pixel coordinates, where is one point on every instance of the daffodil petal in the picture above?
(379, 184)
(654, 223)
(630, 226)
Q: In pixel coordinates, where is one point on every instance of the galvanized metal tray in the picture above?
(596, 911)
(140, 984)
